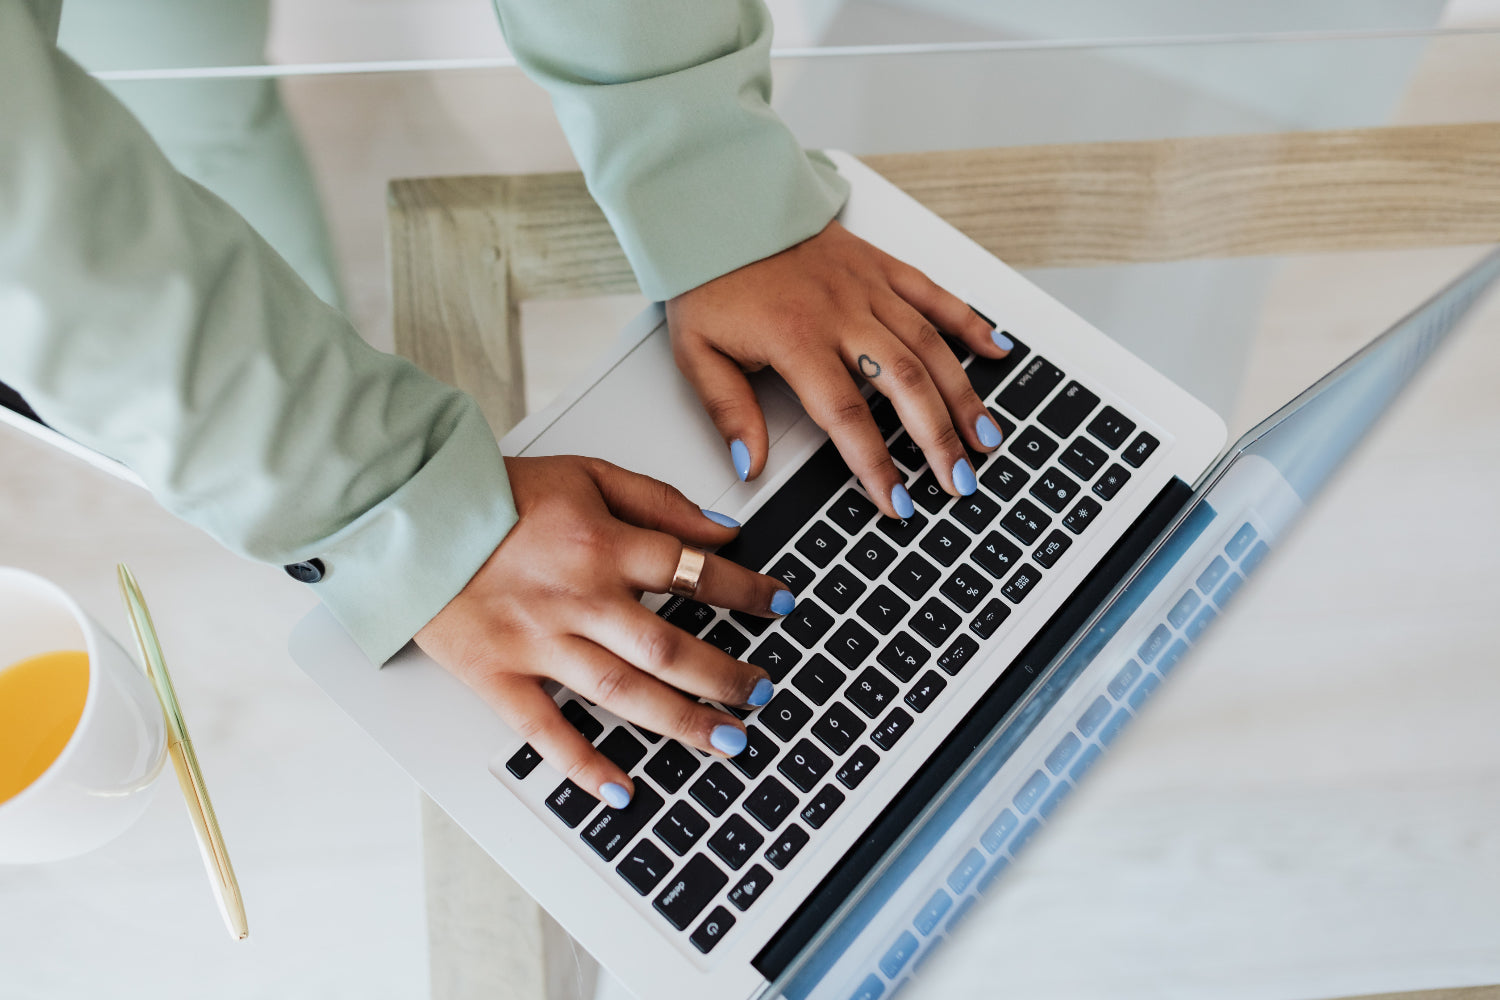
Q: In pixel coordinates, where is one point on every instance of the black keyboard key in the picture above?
(623, 749)
(1021, 583)
(736, 842)
(1003, 478)
(852, 511)
(786, 845)
(945, 542)
(1030, 387)
(821, 543)
(688, 615)
(793, 572)
(907, 453)
(770, 803)
(883, 609)
(838, 728)
(1111, 426)
(1083, 458)
(1082, 515)
(686, 895)
(1051, 550)
(915, 576)
(854, 770)
(976, 511)
(681, 828)
(804, 765)
(956, 656)
(523, 761)
(717, 789)
(1033, 447)
(902, 531)
(819, 679)
(644, 867)
(935, 622)
(985, 623)
(1113, 480)
(870, 556)
(759, 751)
(776, 656)
(672, 766)
(817, 812)
(929, 493)
(754, 624)
(648, 735)
(891, 729)
(1026, 521)
(612, 829)
(995, 554)
(966, 587)
(807, 623)
(582, 721)
(1053, 489)
(1140, 449)
(839, 589)
(712, 930)
(851, 645)
(987, 373)
(870, 692)
(789, 510)
(785, 715)
(750, 888)
(903, 656)
(728, 638)
(924, 691)
(571, 804)
(1068, 409)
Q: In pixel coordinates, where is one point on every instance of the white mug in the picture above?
(103, 779)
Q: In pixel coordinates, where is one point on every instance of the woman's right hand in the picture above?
(559, 599)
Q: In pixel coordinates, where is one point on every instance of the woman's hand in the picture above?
(559, 597)
(828, 314)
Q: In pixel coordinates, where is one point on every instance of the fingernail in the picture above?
(762, 693)
(989, 434)
(782, 602)
(740, 455)
(963, 477)
(1001, 340)
(901, 500)
(727, 740)
(614, 794)
(730, 522)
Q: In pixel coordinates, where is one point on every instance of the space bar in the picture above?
(790, 510)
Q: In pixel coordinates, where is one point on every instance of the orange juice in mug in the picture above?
(82, 736)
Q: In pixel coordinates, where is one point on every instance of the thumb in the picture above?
(726, 395)
(658, 506)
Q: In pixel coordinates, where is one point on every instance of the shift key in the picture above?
(1029, 388)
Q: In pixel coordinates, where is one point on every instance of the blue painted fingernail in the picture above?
(901, 500)
(963, 477)
(730, 522)
(989, 434)
(782, 602)
(728, 740)
(762, 693)
(1001, 340)
(614, 794)
(740, 455)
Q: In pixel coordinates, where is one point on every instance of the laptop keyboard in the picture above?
(888, 611)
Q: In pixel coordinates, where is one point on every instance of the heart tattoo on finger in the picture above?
(868, 366)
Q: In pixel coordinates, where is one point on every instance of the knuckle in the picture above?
(613, 682)
(907, 373)
(723, 410)
(946, 439)
(661, 646)
(689, 722)
(845, 413)
(926, 339)
(577, 771)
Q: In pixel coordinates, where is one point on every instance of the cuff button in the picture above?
(310, 571)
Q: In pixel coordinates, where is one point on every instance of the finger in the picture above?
(730, 402)
(648, 561)
(829, 395)
(903, 378)
(658, 506)
(603, 677)
(965, 409)
(951, 314)
(525, 707)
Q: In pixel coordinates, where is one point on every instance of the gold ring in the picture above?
(689, 572)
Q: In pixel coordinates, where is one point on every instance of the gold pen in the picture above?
(185, 763)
